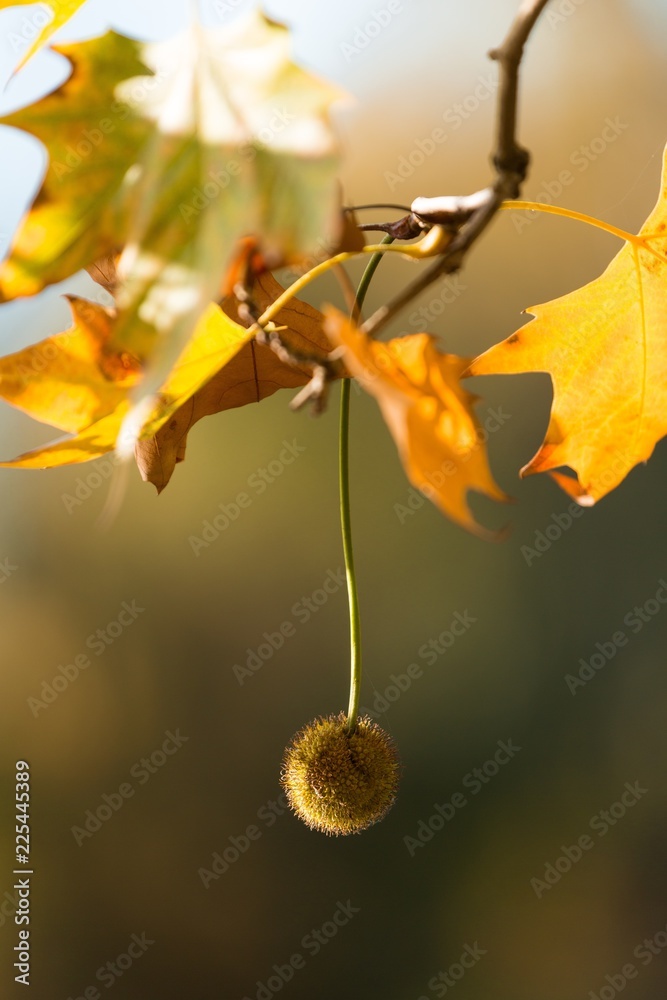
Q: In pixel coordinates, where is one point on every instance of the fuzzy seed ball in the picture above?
(339, 782)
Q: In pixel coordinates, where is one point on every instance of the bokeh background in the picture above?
(414, 909)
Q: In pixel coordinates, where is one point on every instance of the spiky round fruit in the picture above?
(339, 782)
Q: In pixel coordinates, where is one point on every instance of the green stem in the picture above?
(345, 519)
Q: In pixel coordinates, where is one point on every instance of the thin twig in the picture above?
(511, 159)
(376, 204)
(324, 368)
(468, 217)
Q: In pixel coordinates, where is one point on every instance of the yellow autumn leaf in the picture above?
(254, 373)
(38, 28)
(92, 138)
(71, 379)
(428, 412)
(605, 348)
(77, 381)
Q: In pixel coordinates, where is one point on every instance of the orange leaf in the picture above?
(604, 346)
(253, 374)
(77, 382)
(428, 412)
(71, 379)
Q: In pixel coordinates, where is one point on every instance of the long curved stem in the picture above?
(568, 213)
(637, 241)
(345, 518)
(346, 532)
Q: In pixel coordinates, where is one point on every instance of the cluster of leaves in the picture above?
(162, 158)
(176, 167)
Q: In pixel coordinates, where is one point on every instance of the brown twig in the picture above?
(469, 216)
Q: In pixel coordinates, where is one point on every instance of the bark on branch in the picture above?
(469, 216)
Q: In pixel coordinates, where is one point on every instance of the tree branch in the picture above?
(510, 158)
(469, 216)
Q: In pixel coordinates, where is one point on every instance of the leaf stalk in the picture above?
(345, 516)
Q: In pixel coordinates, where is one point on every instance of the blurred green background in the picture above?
(414, 908)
